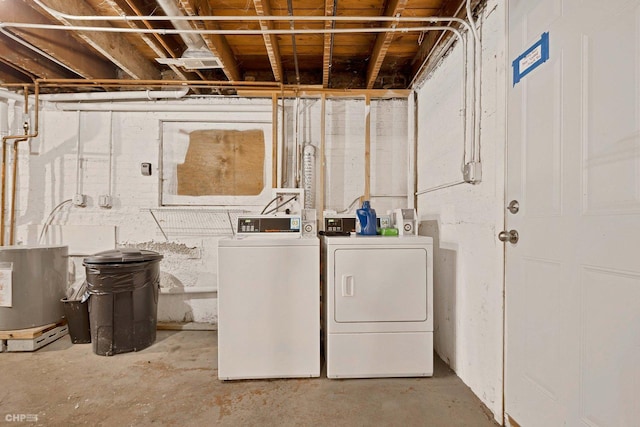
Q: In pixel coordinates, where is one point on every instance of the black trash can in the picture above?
(123, 306)
(77, 314)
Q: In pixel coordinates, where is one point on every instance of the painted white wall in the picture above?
(465, 219)
(48, 176)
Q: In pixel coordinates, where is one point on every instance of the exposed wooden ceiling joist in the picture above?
(113, 46)
(9, 73)
(29, 62)
(154, 42)
(354, 57)
(270, 41)
(329, 10)
(383, 40)
(216, 43)
(63, 47)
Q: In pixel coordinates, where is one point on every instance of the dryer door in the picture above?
(380, 285)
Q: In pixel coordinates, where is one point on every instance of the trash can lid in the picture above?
(122, 255)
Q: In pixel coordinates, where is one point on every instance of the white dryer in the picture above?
(378, 306)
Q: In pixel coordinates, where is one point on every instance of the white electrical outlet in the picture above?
(472, 172)
(80, 200)
(104, 201)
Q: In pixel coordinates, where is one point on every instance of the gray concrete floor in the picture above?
(174, 383)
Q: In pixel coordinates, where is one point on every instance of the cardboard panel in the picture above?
(223, 162)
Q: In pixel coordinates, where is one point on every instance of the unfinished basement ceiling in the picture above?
(353, 60)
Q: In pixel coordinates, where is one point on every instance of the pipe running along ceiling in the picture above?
(88, 45)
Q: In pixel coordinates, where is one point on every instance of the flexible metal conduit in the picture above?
(475, 102)
(240, 32)
(395, 19)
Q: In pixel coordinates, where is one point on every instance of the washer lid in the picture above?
(122, 255)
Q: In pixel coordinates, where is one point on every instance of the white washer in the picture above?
(268, 307)
(378, 306)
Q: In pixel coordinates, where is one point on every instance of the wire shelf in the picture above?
(191, 222)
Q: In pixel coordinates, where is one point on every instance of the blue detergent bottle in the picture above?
(366, 224)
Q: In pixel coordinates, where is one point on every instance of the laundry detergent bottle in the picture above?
(366, 220)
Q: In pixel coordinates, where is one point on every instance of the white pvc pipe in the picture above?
(6, 94)
(238, 32)
(4, 119)
(164, 107)
(78, 158)
(110, 184)
(116, 96)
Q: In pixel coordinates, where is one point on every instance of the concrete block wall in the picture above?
(465, 219)
(48, 176)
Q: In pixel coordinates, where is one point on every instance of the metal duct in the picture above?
(309, 175)
(197, 55)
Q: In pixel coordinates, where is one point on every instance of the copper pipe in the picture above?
(4, 160)
(82, 82)
(18, 139)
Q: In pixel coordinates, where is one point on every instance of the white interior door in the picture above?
(573, 278)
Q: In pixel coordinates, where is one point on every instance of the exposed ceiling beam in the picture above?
(383, 41)
(30, 62)
(63, 46)
(154, 42)
(270, 40)
(114, 47)
(216, 43)
(329, 10)
(10, 74)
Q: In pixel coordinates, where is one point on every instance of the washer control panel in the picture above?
(269, 225)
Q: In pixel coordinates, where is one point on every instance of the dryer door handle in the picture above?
(348, 285)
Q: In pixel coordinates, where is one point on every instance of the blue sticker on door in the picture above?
(533, 57)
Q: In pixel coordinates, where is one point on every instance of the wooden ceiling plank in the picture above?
(112, 46)
(123, 8)
(329, 10)
(10, 73)
(270, 41)
(383, 40)
(216, 43)
(26, 60)
(63, 46)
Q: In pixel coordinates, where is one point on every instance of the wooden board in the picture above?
(191, 326)
(32, 344)
(30, 333)
(222, 162)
